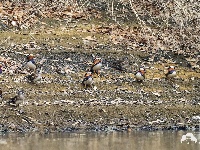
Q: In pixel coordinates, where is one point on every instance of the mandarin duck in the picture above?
(18, 99)
(88, 80)
(96, 66)
(140, 74)
(31, 62)
(171, 72)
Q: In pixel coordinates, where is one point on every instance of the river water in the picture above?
(134, 140)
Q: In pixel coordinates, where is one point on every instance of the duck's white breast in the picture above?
(31, 65)
(139, 76)
(172, 75)
(97, 66)
(89, 81)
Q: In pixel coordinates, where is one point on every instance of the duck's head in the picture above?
(142, 70)
(87, 74)
(21, 92)
(170, 68)
(30, 57)
(97, 60)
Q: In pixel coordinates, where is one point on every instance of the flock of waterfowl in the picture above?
(34, 75)
(139, 75)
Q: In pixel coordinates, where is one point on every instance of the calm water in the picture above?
(135, 140)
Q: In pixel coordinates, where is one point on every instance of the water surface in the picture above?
(135, 140)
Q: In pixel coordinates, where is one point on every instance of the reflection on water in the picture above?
(135, 140)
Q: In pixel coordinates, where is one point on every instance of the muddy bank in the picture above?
(57, 118)
(59, 102)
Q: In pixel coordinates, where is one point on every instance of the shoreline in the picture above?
(89, 118)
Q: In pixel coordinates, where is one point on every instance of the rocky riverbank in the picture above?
(64, 50)
(116, 101)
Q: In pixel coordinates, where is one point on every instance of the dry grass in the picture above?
(63, 36)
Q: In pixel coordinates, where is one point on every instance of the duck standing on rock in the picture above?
(18, 99)
(96, 66)
(88, 80)
(171, 72)
(31, 62)
(140, 74)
